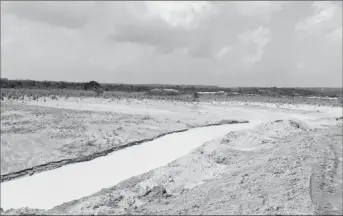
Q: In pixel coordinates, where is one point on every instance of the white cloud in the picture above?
(258, 8)
(137, 42)
(174, 13)
(223, 52)
(257, 40)
(336, 35)
(326, 16)
(71, 15)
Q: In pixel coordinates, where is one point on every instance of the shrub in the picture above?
(92, 85)
(98, 92)
(195, 96)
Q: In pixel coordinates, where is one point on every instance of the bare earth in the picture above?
(282, 166)
(35, 136)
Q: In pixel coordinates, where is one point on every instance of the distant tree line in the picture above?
(32, 84)
(183, 89)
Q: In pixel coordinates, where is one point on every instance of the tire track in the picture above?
(325, 194)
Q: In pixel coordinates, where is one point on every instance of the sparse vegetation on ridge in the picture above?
(182, 89)
(33, 90)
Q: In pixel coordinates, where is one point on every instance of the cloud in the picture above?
(163, 39)
(166, 27)
(336, 34)
(220, 43)
(318, 44)
(184, 25)
(258, 8)
(256, 40)
(69, 15)
(184, 14)
(326, 16)
(195, 26)
(224, 52)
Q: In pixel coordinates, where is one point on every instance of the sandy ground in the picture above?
(281, 167)
(34, 134)
(284, 167)
(83, 179)
(45, 134)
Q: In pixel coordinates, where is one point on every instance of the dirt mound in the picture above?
(269, 182)
(264, 135)
(156, 191)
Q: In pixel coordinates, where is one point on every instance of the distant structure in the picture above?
(212, 93)
(171, 91)
(158, 91)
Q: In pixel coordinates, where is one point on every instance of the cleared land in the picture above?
(36, 136)
(291, 166)
(287, 170)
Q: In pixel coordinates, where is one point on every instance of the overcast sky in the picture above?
(216, 43)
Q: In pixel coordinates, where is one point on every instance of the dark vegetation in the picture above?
(92, 85)
(183, 89)
(195, 96)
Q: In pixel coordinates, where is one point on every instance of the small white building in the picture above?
(171, 90)
(165, 91)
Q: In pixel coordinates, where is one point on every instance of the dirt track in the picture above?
(326, 178)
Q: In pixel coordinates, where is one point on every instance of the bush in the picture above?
(195, 96)
(92, 85)
(98, 91)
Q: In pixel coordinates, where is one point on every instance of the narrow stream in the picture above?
(48, 189)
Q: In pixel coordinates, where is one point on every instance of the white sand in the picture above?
(224, 110)
(48, 189)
